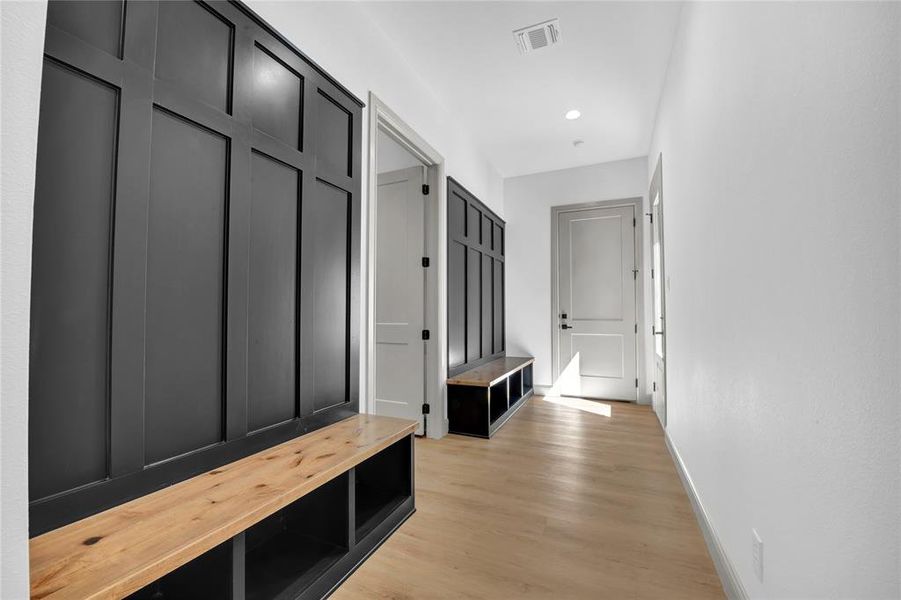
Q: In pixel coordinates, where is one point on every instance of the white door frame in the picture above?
(655, 188)
(637, 203)
(383, 118)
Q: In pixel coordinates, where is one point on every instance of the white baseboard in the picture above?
(728, 575)
(542, 390)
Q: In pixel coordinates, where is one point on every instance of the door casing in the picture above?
(638, 204)
(659, 374)
(381, 117)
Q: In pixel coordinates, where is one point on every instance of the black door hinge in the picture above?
(636, 328)
(426, 408)
(655, 386)
(636, 382)
(425, 334)
(425, 189)
(633, 221)
(425, 261)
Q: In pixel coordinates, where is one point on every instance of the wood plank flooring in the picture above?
(570, 499)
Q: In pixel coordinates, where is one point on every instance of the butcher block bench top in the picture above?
(118, 551)
(490, 373)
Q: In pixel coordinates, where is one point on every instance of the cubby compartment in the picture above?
(498, 400)
(382, 483)
(527, 380)
(207, 577)
(288, 551)
(515, 390)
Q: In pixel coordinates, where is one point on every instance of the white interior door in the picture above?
(596, 323)
(658, 281)
(399, 295)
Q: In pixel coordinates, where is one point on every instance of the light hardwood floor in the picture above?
(564, 502)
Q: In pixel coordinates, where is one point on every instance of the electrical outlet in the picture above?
(757, 554)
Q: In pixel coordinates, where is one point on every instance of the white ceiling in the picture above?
(610, 65)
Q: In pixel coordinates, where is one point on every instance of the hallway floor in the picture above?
(570, 499)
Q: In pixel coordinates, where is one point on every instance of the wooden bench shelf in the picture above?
(481, 400)
(282, 523)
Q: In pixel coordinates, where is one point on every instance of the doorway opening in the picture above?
(659, 282)
(406, 266)
(596, 300)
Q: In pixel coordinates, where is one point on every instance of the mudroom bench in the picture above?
(292, 521)
(481, 400)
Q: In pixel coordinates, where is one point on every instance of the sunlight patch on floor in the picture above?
(592, 406)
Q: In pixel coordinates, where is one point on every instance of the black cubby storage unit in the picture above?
(196, 267)
(475, 281)
(305, 550)
(479, 406)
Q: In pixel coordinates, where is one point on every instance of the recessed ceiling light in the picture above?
(572, 115)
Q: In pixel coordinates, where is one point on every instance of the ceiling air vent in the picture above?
(535, 37)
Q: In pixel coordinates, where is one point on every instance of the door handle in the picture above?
(565, 326)
(654, 331)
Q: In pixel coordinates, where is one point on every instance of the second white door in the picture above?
(596, 322)
(399, 295)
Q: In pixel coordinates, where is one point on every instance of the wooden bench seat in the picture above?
(491, 373)
(118, 551)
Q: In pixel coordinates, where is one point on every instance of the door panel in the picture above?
(400, 289)
(596, 267)
(596, 292)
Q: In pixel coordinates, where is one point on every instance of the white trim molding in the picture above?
(383, 118)
(732, 585)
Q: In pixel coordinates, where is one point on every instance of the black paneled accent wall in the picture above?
(475, 281)
(196, 250)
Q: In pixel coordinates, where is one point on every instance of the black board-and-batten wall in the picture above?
(475, 281)
(196, 267)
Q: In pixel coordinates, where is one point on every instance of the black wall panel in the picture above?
(70, 278)
(334, 148)
(498, 340)
(473, 304)
(196, 262)
(277, 98)
(272, 304)
(487, 302)
(194, 51)
(185, 264)
(475, 281)
(325, 292)
(456, 302)
(99, 23)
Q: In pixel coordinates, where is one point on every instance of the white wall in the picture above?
(527, 206)
(779, 128)
(21, 48)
